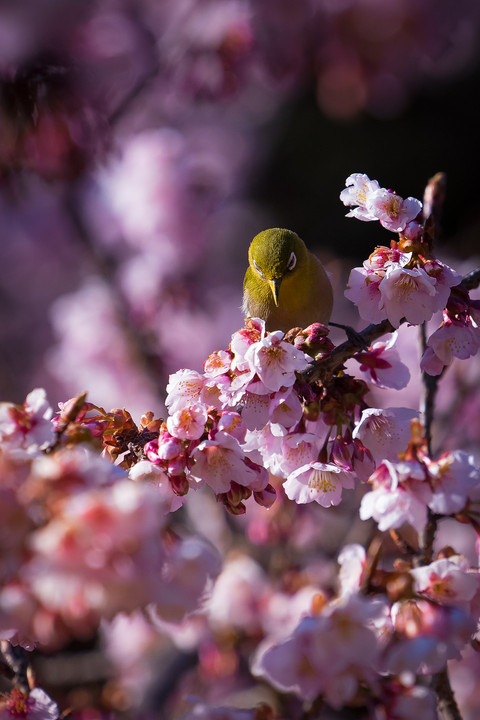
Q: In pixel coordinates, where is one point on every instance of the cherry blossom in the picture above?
(220, 462)
(352, 560)
(358, 189)
(400, 495)
(452, 339)
(188, 422)
(381, 365)
(410, 294)
(183, 388)
(26, 429)
(275, 361)
(393, 212)
(427, 635)
(447, 581)
(36, 705)
(319, 482)
(452, 477)
(377, 203)
(385, 432)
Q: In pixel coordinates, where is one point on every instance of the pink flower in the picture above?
(452, 477)
(184, 387)
(377, 203)
(358, 189)
(430, 363)
(190, 567)
(400, 495)
(385, 432)
(319, 482)
(410, 294)
(238, 596)
(382, 366)
(330, 654)
(363, 289)
(447, 581)
(220, 462)
(426, 636)
(286, 409)
(275, 361)
(297, 450)
(253, 332)
(27, 429)
(218, 363)
(393, 211)
(36, 705)
(352, 560)
(188, 423)
(455, 339)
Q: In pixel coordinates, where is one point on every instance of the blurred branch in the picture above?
(106, 265)
(151, 44)
(447, 704)
(16, 663)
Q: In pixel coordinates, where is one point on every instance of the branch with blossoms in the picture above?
(274, 429)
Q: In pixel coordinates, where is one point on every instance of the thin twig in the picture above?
(447, 705)
(433, 203)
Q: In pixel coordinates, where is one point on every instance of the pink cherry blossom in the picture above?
(220, 462)
(430, 363)
(191, 565)
(410, 294)
(358, 189)
(426, 636)
(275, 361)
(184, 387)
(27, 429)
(455, 339)
(400, 495)
(188, 423)
(381, 365)
(319, 482)
(363, 289)
(393, 212)
(452, 477)
(253, 332)
(385, 432)
(297, 450)
(352, 560)
(36, 705)
(218, 363)
(447, 581)
(304, 663)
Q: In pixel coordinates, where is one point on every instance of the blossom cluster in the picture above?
(81, 541)
(405, 282)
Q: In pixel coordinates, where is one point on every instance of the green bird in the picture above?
(285, 284)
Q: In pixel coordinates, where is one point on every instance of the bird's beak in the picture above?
(275, 288)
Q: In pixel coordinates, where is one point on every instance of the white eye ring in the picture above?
(258, 269)
(292, 261)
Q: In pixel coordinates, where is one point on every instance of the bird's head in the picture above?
(275, 254)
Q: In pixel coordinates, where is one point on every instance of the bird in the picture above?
(285, 284)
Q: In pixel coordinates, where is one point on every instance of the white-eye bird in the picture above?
(285, 284)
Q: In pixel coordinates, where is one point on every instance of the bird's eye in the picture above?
(258, 269)
(292, 261)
